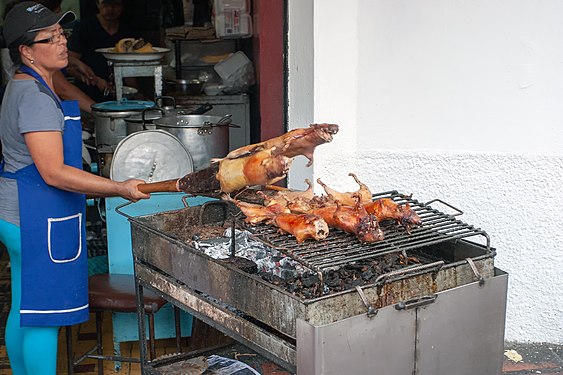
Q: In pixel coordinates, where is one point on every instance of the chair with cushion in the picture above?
(115, 293)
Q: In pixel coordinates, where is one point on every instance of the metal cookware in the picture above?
(205, 137)
(151, 155)
(188, 87)
(144, 120)
(109, 121)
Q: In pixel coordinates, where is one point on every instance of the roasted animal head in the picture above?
(325, 131)
(409, 218)
(369, 230)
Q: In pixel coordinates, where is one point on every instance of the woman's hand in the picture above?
(81, 71)
(131, 192)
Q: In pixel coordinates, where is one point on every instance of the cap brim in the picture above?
(67, 17)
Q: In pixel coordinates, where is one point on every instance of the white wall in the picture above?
(458, 100)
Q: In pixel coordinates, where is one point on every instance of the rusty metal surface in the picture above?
(160, 241)
(277, 349)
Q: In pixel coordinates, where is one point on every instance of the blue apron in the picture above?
(53, 233)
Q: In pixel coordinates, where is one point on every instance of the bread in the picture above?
(133, 45)
(147, 47)
(124, 45)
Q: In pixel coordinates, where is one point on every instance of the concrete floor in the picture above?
(520, 359)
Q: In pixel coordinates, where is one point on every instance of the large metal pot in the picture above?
(144, 120)
(109, 121)
(205, 137)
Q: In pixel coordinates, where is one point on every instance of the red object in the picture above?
(269, 64)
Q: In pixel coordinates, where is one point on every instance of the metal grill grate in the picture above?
(341, 248)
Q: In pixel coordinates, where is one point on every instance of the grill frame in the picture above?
(340, 248)
(287, 329)
(160, 248)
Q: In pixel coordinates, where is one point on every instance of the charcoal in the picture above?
(310, 280)
(367, 275)
(349, 276)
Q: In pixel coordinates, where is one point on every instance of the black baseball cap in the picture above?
(30, 17)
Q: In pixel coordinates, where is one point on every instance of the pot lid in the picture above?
(192, 121)
(122, 105)
(150, 155)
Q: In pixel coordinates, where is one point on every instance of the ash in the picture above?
(269, 261)
(286, 273)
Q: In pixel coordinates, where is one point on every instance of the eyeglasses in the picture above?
(56, 38)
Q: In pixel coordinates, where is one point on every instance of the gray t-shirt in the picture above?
(28, 106)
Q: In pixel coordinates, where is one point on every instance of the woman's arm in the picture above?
(78, 69)
(46, 150)
(68, 91)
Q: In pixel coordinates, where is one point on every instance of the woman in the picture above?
(42, 187)
(63, 87)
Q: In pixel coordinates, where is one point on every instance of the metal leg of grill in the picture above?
(151, 337)
(141, 325)
(178, 329)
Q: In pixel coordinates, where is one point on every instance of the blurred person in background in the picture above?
(102, 30)
(42, 192)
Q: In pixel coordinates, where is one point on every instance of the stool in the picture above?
(116, 293)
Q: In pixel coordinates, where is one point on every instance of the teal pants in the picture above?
(31, 350)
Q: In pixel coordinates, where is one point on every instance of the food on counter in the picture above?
(348, 198)
(128, 45)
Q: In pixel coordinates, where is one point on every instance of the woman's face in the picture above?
(49, 50)
(110, 11)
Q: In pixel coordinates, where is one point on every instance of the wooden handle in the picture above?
(159, 187)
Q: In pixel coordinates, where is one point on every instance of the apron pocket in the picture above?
(65, 238)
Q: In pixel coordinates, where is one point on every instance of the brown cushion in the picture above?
(116, 293)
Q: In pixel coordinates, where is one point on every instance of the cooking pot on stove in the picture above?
(205, 137)
(109, 121)
(144, 120)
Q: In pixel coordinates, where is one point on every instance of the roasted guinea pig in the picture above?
(261, 168)
(133, 45)
(302, 226)
(285, 197)
(295, 142)
(348, 198)
(386, 209)
(355, 220)
(256, 213)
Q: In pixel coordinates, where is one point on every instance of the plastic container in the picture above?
(232, 18)
(231, 65)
